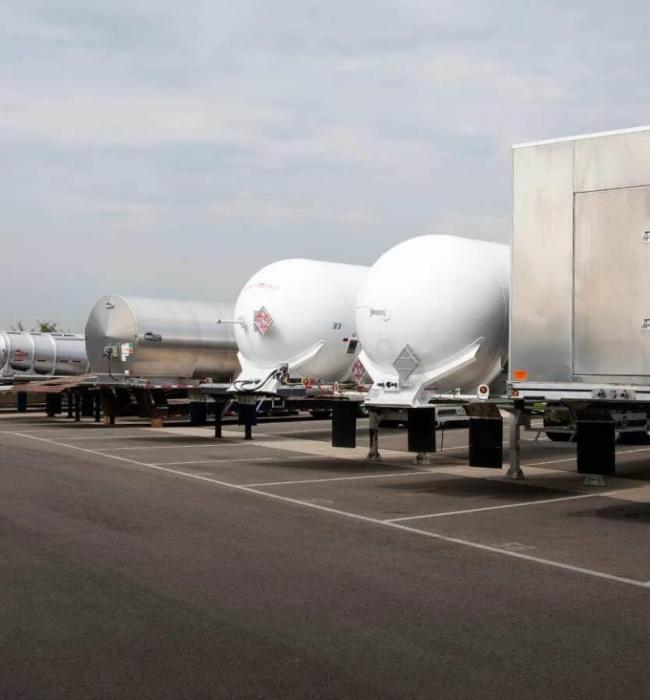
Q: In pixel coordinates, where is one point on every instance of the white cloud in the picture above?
(142, 119)
(248, 208)
(503, 81)
(130, 131)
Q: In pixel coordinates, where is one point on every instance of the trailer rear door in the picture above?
(611, 322)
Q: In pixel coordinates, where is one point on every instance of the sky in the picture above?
(172, 149)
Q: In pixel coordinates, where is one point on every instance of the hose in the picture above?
(260, 383)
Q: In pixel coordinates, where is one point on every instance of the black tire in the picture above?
(558, 437)
(386, 423)
(639, 437)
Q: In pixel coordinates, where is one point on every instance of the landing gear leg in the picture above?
(515, 471)
(373, 425)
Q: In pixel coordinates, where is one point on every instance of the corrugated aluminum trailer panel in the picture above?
(580, 302)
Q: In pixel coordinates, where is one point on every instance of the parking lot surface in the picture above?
(146, 562)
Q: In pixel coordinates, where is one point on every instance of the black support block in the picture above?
(486, 442)
(87, 404)
(422, 429)
(218, 411)
(596, 447)
(198, 413)
(247, 413)
(50, 405)
(344, 424)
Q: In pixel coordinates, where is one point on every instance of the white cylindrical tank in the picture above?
(161, 338)
(432, 318)
(299, 314)
(3, 353)
(24, 354)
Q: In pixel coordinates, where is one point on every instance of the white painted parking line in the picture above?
(356, 516)
(573, 459)
(501, 507)
(49, 430)
(159, 447)
(283, 433)
(138, 436)
(338, 478)
(227, 460)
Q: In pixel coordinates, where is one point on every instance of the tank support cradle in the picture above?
(373, 431)
(514, 470)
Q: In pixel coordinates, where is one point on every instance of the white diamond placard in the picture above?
(262, 320)
(405, 363)
(358, 371)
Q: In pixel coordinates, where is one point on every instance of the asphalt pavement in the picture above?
(123, 577)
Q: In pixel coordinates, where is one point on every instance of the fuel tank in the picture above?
(24, 355)
(297, 314)
(161, 338)
(432, 317)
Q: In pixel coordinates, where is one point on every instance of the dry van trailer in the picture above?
(580, 288)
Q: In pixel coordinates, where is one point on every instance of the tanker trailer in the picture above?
(160, 339)
(25, 356)
(294, 320)
(432, 317)
(3, 353)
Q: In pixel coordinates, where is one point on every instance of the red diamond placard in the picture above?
(358, 370)
(262, 320)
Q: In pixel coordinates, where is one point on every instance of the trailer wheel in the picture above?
(638, 437)
(558, 437)
(558, 417)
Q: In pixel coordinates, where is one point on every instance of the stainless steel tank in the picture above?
(25, 354)
(161, 338)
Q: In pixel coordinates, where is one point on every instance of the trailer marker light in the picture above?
(520, 375)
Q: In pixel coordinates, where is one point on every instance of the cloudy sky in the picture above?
(171, 149)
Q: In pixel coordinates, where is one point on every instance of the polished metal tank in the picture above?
(161, 338)
(24, 354)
